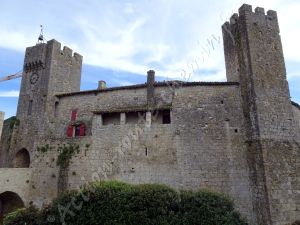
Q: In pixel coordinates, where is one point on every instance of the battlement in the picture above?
(36, 55)
(65, 51)
(246, 12)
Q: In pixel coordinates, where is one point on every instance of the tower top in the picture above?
(258, 16)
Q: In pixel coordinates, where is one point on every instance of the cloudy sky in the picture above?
(121, 40)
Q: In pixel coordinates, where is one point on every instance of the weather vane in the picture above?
(41, 36)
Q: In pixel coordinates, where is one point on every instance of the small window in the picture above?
(30, 107)
(161, 117)
(111, 119)
(166, 117)
(77, 130)
(142, 117)
(132, 118)
(56, 109)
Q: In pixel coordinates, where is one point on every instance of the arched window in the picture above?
(9, 201)
(21, 159)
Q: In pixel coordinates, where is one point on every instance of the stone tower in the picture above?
(48, 71)
(254, 58)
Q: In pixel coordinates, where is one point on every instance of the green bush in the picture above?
(28, 216)
(209, 208)
(117, 203)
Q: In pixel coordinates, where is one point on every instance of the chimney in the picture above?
(150, 88)
(101, 85)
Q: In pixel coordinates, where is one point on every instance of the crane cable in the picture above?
(12, 76)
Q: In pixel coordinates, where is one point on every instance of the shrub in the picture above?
(28, 216)
(206, 207)
(117, 203)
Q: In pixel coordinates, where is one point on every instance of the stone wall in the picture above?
(254, 57)
(239, 137)
(202, 147)
(17, 181)
(14, 190)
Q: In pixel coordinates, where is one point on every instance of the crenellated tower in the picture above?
(47, 71)
(254, 58)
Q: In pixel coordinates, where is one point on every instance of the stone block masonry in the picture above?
(240, 137)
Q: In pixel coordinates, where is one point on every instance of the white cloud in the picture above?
(11, 93)
(135, 36)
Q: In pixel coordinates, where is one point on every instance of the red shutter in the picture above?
(73, 115)
(70, 131)
(82, 130)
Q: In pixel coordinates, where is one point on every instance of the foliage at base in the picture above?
(117, 203)
(22, 216)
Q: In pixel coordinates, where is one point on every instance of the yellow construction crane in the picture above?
(12, 76)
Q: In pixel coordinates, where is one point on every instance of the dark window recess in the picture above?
(138, 117)
(132, 118)
(166, 119)
(161, 117)
(77, 131)
(55, 109)
(146, 151)
(30, 107)
(111, 118)
(142, 117)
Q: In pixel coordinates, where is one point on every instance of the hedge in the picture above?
(117, 203)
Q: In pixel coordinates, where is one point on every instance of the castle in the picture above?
(239, 137)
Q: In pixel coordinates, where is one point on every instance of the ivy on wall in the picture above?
(13, 122)
(43, 149)
(66, 152)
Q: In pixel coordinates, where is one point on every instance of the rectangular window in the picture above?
(135, 117)
(30, 107)
(111, 119)
(166, 117)
(161, 117)
(56, 109)
(132, 118)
